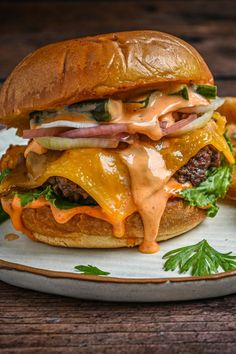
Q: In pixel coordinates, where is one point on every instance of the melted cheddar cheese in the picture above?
(178, 151)
(99, 172)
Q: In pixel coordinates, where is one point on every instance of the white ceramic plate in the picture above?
(133, 276)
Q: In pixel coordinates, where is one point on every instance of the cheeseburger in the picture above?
(125, 145)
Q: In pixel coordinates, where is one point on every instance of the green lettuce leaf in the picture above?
(229, 141)
(208, 192)
(28, 197)
(3, 215)
(47, 192)
(4, 173)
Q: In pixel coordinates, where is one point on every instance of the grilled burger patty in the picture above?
(194, 171)
(67, 189)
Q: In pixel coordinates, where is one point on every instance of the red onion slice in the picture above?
(100, 130)
(184, 126)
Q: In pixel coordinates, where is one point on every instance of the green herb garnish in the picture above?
(90, 270)
(208, 192)
(201, 259)
(3, 215)
(208, 91)
(183, 92)
(28, 197)
(4, 173)
(47, 192)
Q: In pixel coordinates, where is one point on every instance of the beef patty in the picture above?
(194, 171)
(67, 189)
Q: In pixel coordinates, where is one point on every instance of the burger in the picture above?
(125, 145)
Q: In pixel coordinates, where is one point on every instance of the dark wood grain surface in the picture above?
(32, 322)
(40, 323)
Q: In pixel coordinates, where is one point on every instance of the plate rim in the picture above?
(73, 276)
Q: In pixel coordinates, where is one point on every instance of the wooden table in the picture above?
(31, 322)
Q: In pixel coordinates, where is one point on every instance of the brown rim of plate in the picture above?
(67, 275)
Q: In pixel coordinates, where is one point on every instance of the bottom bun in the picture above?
(84, 231)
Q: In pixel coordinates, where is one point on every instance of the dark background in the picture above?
(34, 323)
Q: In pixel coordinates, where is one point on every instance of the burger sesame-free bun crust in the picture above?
(96, 67)
(83, 231)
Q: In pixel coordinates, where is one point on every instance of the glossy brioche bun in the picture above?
(97, 67)
(87, 232)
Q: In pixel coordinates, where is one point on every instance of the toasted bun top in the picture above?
(96, 67)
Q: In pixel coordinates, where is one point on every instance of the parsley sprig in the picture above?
(90, 270)
(200, 259)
